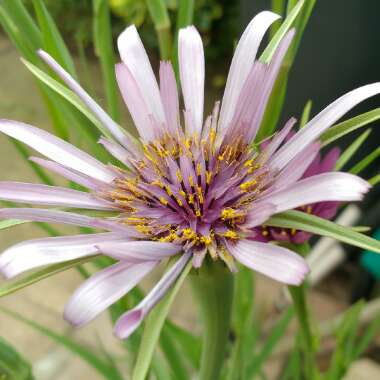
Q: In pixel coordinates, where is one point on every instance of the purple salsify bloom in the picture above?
(193, 188)
(326, 210)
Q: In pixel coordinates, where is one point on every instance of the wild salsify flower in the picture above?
(189, 188)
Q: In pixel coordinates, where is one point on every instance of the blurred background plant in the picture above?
(81, 35)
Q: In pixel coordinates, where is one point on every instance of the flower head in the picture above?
(190, 187)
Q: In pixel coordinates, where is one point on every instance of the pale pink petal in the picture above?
(38, 252)
(135, 251)
(72, 175)
(192, 72)
(297, 166)
(333, 186)
(169, 96)
(50, 195)
(242, 62)
(114, 128)
(134, 56)
(276, 262)
(135, 101)
(259, 214)
(57, 149)
(55, 216)
(315, 127)
(131, 320)
(103, 289)
(116, 150)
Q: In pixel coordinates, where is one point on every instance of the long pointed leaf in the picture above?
(316, 225)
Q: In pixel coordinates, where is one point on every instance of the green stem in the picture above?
(308, 342)
(213, 288)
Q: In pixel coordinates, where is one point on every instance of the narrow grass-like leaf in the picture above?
(18, 283)
(67, 94)
(267, 54)
(370, 333)
(153, 326)
(53, 42)
(104, 368)
(159, 14)
(345, 336)
(366, 161)
(12, 365)
(270, 342)
(305, 117)
(316, 225)
(104, 50)
(188, 344)
(10, 223)
(374, 180)
(351, 149)
(23, 20)
(339, 130)
(277, 6)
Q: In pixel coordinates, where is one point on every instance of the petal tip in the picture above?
(128, 323)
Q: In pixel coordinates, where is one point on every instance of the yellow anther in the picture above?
(189, 234)
(227, 213)
(206, 240)
(168, 190)
(179, 175)
(191, 180)
(143, 229)
(158, 183)
(180, 204)
(199, 168)
(247, 185)
(200, 195)
(198, 213)
(208, 177)
(188, 143)
(191, 199)
(248, 163)
(309, 209)
(265, 233)
(182, 193)
(293, 231)
(163, 201)
(231, 234)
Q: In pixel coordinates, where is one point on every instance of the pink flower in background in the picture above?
(189, 188)
(326, 210)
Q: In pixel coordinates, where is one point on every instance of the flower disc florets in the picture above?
(193, 191)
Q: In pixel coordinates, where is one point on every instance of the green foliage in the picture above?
(104, 366)
(12, 365)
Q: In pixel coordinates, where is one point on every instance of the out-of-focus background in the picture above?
(339, 52)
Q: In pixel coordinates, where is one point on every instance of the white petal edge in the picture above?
(242, 62)
(134, 56)
(103, 289)
(57, 149)
(276, 262)
(192, 73)
(39, 252)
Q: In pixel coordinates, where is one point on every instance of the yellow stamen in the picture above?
(164, 201)
(227, 213)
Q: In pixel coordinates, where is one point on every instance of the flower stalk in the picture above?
(213, 289)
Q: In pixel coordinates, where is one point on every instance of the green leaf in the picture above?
(190, 345)
(159, 14)
(278, 7)
(18, 283)
(103, 367)
(369, 334)
(153, 326)
(53, 42)
(316, 225)
(276, 334)
(339, 130)
(10, 223)
(104, 50)
(67, 94)
(305, 117)
(24, 21)
(12, 365)
(374, 180)
(346, 332)
(269, 51)
(361, 165)
(351, 150)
